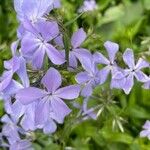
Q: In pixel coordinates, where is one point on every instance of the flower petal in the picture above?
(6, 80)
(12, 64)
(42, 111)
(49, 127)
(52, 80)
(118, 79)
(82, 77)
(48, 30)
(142, 64)
(35, 9)
(112, 48)
(147, 84)
(12, 88)
(22, 72)
(28, 95)
(28, 26)
(18, 109)
(18, 8)
(128, 58)
(100, 58)
(86, 59)
(144, 133)
(146, 125)
(28, 120)
(59, 41)
(87, 90)
(60, 109)
(68, 92)
(72, 61)
(117, 83)
(103, 74)
(29, 44)
(78, 38)
(54, 55)
(38, 57)
(140, 76)
(128, 83)
(14, 47)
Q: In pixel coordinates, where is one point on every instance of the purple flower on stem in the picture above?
(112, 49)
(90, 77)
(36, 43)
(33, 9)
(76, 53)
(134, 70)
(146, 130)
(15, 65)
(49, 102)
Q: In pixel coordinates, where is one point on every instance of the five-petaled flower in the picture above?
(50, 105)
(134, 70)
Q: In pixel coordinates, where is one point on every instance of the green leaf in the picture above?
(116, 136)
(146, 4)
(113, 14)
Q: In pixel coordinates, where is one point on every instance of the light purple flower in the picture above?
(90, 77)
(33, 9)
(146, 130)
(49, 102)
(134, 70)
(76, 53)
(88, 5)
(111, 66)
(15, 65)
(36, 43)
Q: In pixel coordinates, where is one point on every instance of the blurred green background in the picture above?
(126, 22)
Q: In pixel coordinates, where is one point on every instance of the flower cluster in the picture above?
(32, 88)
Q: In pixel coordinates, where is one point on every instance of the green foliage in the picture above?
(120, 117)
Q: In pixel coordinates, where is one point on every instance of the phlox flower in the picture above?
(76, 52)
(134, 70)
(49, 103)
(111, 66)
(36, 43)
(34, 9)
(15, 65)
(89, 78)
